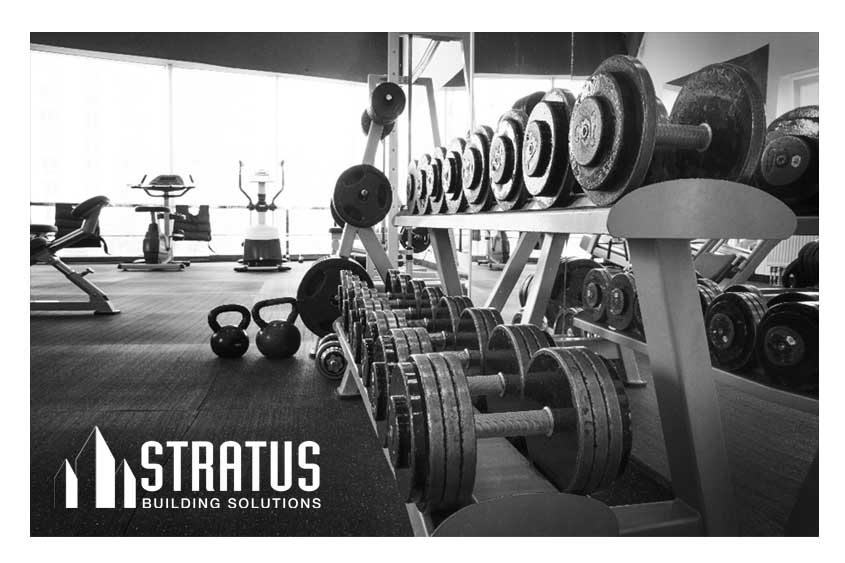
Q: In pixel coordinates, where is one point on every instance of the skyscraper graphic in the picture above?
(105, 477)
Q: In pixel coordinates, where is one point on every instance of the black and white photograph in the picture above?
(475, 284)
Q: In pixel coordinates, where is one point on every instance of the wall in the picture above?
(670, 55)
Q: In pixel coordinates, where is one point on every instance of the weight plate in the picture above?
(546, 172)
(411, 476)
(387, 102)
(452, 429)
(788, 344)
(595, 294)
(506, 161)
(616, 413)
(475, 175)
(602, 430)
(362, 195)
(622, 300)
(435, 454)
(566, 458)
(335, 217)
(452, 177)
(526, 103)
(612, 137)
(317, 295)
(509, 351)
(466, 417)
(726, 98)
(731, 323)
(791, 297)
(366, 121)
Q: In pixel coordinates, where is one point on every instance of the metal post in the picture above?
(683, 380)
(447, 264)
(544, 279)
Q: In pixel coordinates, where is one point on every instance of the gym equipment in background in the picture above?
(158, 242)
(44, 251)
(230, 341)
(262, 245)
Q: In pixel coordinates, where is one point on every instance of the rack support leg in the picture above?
(683, 380)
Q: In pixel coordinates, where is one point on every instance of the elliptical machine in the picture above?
(262, 246)
(158, 241)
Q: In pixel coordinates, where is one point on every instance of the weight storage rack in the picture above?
(658, 221)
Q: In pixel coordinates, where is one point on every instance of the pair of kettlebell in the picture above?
(275, 339)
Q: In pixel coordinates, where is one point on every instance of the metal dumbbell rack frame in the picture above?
(658, 222)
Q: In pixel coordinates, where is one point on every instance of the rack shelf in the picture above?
(677, 209)
(782, 397)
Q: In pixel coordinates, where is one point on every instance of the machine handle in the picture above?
(240, 183)
(282, 188)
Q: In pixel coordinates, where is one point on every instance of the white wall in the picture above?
(668, 56)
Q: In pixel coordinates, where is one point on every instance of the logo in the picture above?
(211, 474)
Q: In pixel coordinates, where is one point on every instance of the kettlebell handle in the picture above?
(256, 309)
(232, 308)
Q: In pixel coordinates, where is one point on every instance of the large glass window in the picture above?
(98, 125)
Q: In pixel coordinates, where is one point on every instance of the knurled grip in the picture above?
(674, 135)
(482, 385)
(518, 423)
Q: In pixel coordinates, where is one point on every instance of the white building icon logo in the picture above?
(105, 477)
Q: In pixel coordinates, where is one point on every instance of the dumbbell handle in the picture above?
(482, 385)
(540, 422)
(678, 136)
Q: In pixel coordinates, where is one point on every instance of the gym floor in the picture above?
(149, 374)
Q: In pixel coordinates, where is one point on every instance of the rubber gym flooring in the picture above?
(149, 374)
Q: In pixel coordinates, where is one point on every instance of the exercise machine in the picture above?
(158, 242)
(262, 246)
(42, 250)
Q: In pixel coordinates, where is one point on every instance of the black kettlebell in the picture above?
(277, 339)
(229, 341)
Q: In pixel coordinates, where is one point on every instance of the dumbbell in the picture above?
(574, 416)
(475, 172)
(617, 138)
(732, 324)
(595, 293)
(472, 342)
(387, 102)
(546, 172)
(789, 165)
(445, 318)
(787, 344)
(329, 358)
(567, 287)
(451, 177)
(415, 240)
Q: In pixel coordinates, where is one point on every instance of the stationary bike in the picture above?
(262, 246)
(158, 242)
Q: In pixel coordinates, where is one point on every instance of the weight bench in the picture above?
(44, 251)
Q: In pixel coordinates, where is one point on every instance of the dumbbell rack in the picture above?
(658, 221)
